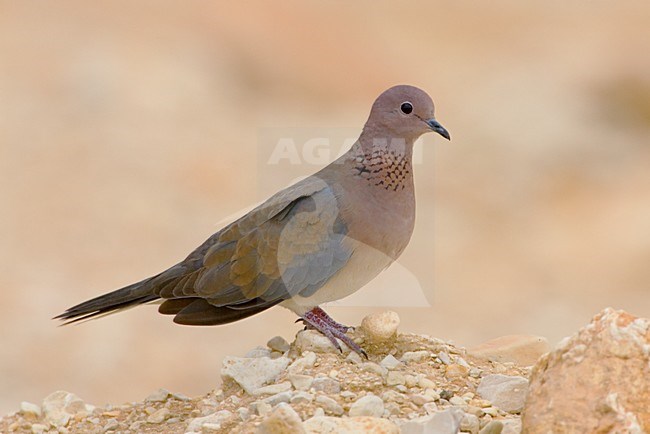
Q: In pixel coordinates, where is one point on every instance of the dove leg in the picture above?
(323, 316)
(319, 320)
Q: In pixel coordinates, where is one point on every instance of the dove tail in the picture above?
(124, 298)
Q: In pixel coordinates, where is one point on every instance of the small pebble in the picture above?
(159, 395)
(493, 427)
(325, 384)
(380, 327)
(369, 405)
(301, 398)
(159, 415)
(300, 381)
(329, 405)
(390, 362)
(394, 378)
(278, 343)
(415, 356)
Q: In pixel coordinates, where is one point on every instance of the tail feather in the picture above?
(124, 298)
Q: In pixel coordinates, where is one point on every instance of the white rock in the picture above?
(159, 395)
(258, 352)
(111, 425)
(492, 427)
(444, 358)
(276, 399)
(261, 408)
(283, 420)
(441, 422)
(29, 409)
(159, 415)
(301, 397)
(253, 373)
(38, 428)
(278, 343)
(470, 423)
(272, 389)
(380, 327)
(303, 363)
(349, 425)
(60, 406)
(394, 378)
(506, 392)
(218, 418)
(374, 368)
(511, 426)
(300, 381)
(369, 405)
(353, 358)
(415, 356)
(329, 405)
(457, 401)
(326, 384)
(312, 340)
(390, 362)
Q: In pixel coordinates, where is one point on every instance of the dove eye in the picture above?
(406, 107)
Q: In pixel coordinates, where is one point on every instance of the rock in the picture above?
(253, 373)
(390, 362)
(394, 378)
(312, 340)
(380, 327)
(274, 400)
(60, 406)
(522, 350)
(457, 401)
(444, 358)
(272, 389)
(327, 385)
(350, 425)
(218, 418)
(329, 405)
(159, 395)
(470, 423)
(303, 363)
(598, 380)
(455, 370)
(300, 381)
(159, 415)
(506, 392)
(258, 352)
(261, 408)
(111, 425)
(30, 410)
(374, 368)
(369, 405)
(511, 426)
(301, 397)
(38, 428)
(415, 356)
(283, 420)
(492, 427)
(441, 422)
(278, 343)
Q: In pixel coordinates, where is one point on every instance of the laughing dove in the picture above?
(316, 241)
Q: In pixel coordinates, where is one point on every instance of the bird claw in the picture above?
(317, 319)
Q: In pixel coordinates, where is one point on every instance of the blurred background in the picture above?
(128, 130)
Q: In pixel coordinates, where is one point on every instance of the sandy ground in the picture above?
(128, 131)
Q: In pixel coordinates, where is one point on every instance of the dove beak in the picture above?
(435, 126)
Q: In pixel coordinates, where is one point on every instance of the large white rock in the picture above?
(60, 406)
(283, 420)
(507, 392)
(253, 373)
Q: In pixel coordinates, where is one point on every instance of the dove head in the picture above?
(401, 114)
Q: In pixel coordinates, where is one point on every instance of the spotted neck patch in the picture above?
(383, 168)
